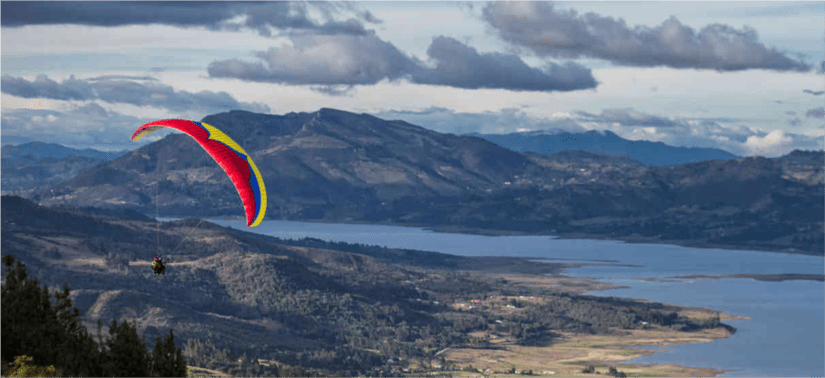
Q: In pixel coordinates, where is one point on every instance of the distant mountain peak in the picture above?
(543, 132)
(39, 144)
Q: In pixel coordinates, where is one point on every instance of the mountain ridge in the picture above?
(608, 143)
(332, 165)
(41, 150)
(34, 164)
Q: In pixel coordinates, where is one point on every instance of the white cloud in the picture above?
(80, 127)
(776, 143)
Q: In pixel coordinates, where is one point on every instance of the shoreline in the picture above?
(569, 353)
(627, 239)
(633, 239)
(760, 277)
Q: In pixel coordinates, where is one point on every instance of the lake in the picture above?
(785, 335)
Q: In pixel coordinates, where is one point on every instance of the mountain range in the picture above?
(36, 164)
(605, 142)
(40, 150)
(338, 166)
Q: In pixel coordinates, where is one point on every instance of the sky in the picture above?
(744, 77)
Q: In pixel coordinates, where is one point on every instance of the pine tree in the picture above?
(15, 306)
(37, 333)
(126, 354)
(167, 360)
(28, 322)
(79, 354)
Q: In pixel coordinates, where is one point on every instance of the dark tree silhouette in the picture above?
(126, 354)
(39, 332)
(167, 360)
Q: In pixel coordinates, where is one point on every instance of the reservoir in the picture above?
(785, 335)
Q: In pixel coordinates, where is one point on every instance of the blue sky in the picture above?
(745, 77)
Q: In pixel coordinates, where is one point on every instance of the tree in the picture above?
(167, 360)
(37, 332)
(28, 322)
(47, 334)
(126, 354)
(80, 354)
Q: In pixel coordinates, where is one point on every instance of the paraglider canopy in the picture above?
(229, 155)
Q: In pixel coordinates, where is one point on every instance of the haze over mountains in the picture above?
(34, 164)
(40, 150)
(608, 143)
(338, 166)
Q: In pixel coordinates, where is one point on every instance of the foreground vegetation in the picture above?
(42, 337)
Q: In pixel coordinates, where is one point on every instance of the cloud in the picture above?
(89, 126)
(334, 90)
(794, 122)
(322, 60)
(121, 77)
(815, 93)
(501, 122)
(727, 135)
(790, 113)
(546, 31)
(816, 112)
(461, 66)
(214, 15)
(123, 89)
(92, 110)
(627, 117)
(770, 10)
(775, 143)
(42, 86)
(366, 60)
(368, 17)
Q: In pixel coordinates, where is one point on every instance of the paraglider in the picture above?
(230, 156)
(158, 266)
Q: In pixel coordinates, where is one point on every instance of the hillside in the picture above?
(608, 143)
(324, 165)
(36, 164)
(339, 308)
(337, 166)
